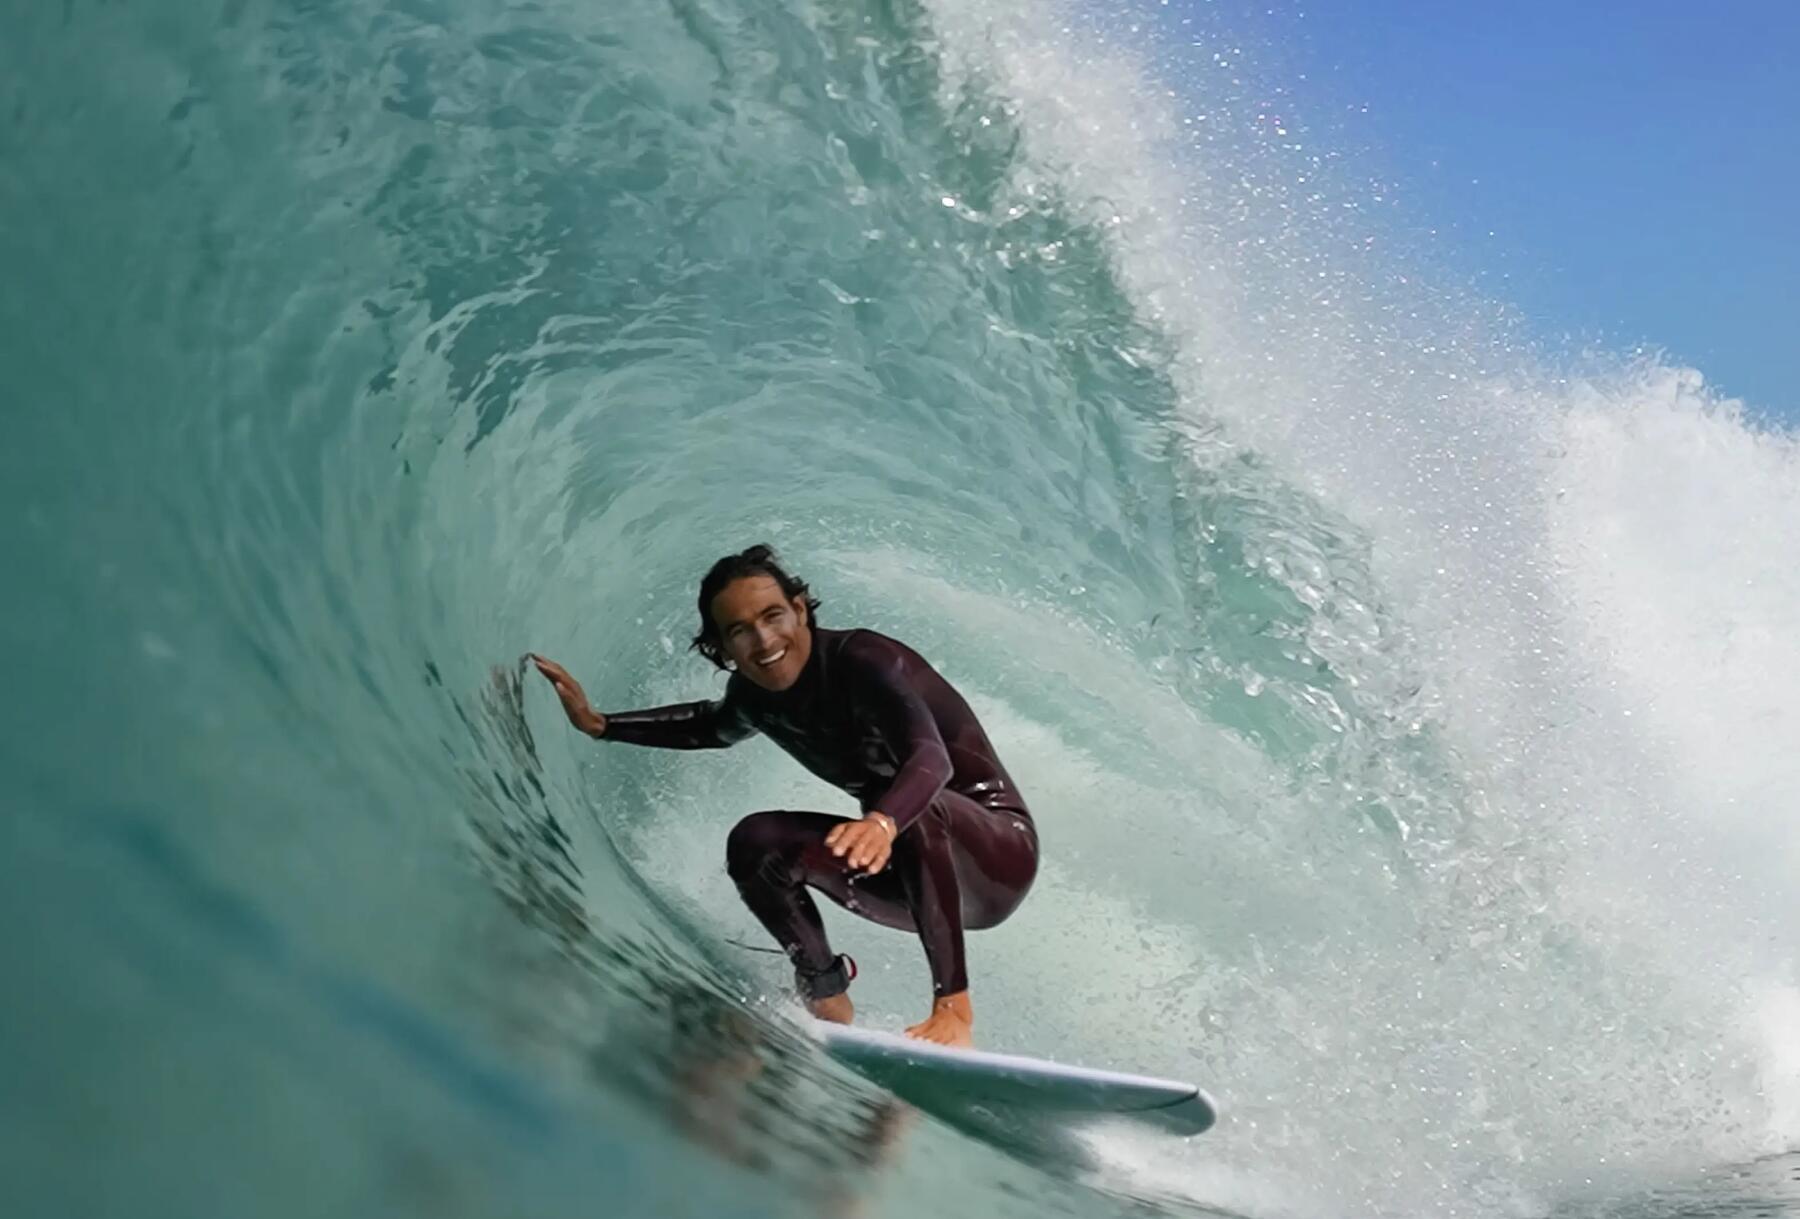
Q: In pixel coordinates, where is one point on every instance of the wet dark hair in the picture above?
(759, 560)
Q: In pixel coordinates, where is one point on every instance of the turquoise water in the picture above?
(1406, 709)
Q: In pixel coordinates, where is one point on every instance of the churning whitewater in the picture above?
(1406, 711)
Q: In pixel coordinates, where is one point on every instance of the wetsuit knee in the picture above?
(751, 841)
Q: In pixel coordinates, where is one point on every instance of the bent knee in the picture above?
(754, 839)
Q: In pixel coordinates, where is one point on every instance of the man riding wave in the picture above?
(945, 842)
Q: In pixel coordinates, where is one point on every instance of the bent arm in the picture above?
(911, 732)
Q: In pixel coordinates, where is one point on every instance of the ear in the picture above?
(799, 604)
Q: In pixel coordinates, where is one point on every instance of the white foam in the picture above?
(1676, 527)
(1592, 574)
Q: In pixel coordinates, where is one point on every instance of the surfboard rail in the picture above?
(906, 1065)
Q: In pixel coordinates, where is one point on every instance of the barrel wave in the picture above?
(1406, 709)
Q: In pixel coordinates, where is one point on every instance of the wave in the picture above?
(1402, 705)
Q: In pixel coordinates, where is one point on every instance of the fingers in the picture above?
(860, 844)
(875, 854)
(843, 838)
(861, 853)
(566, 687)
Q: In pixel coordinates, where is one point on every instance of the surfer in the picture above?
(944, 843)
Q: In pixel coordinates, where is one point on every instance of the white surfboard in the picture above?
(925, 1073)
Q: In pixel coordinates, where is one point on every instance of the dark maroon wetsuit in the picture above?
(869, 715)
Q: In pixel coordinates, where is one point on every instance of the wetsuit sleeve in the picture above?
(707, 724)
(884, 690)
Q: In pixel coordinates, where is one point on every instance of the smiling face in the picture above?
(766, 634)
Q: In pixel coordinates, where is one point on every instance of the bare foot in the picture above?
(952, 1022)
(838, 1009)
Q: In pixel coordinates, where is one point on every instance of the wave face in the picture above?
(1407, 713)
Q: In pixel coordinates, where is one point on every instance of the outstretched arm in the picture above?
(707, 724)
(699, 725)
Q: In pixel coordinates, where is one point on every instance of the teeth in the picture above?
(769, 660)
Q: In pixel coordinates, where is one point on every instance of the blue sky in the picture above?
(1638, 164)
